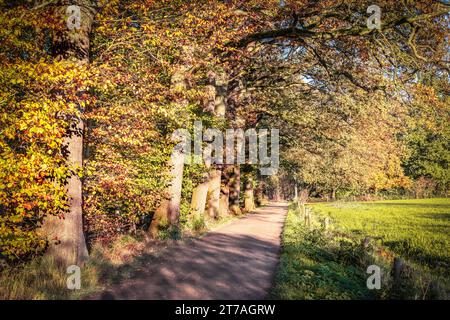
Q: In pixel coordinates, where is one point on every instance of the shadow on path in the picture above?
(236, 261)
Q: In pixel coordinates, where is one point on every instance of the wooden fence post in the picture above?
(366, 242)
(398, 268)
(326, 223)
(434, 291)
(307, 218)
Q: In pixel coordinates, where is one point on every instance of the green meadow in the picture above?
(418, 230)
(319, 263)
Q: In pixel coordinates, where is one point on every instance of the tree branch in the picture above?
(295, 33)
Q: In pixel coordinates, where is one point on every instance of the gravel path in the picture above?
(235, 261)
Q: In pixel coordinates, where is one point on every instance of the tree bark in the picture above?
(228, 175)
(214, 185)
(72, 45)
(170, 208)
(214, 189)
(249, 199)
(303, 197)
(235, 191)
(221, 86)
(199, 195)
(277, 192)
(259, 193)
(224, 194)
(200, 192)
(295, 192)
(173, 209)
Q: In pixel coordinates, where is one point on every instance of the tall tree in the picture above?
(215, 185)
(72, 43)
(200, 192)
(170, 208)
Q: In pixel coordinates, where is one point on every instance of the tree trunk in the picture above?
(249, 199)
(70, 248)
(214, 189)
(169, 209)
(228, 175)
(221, 86)
(235, 191)
(259, 196)
(72, 45)
(177, 163)
(304, 196)
(214, 185)
(277, 193)
(224, 198)
(199, 195)
(200, 192)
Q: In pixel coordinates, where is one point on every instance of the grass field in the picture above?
(418, 230)
(311, 267)
(331, 264)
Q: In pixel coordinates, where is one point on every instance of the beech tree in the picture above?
(169, 209)
(72, 44)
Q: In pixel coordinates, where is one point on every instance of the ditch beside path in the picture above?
(235, 261)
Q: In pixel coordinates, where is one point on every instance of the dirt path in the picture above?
(236, 261)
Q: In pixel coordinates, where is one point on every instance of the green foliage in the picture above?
(427, 139)
(198, 224)
(429, 157)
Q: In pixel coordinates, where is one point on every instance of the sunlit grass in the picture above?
(42, 279)
(319, 263)
(418, 230)
(315, 266)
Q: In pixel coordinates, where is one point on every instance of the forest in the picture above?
(355, 94)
